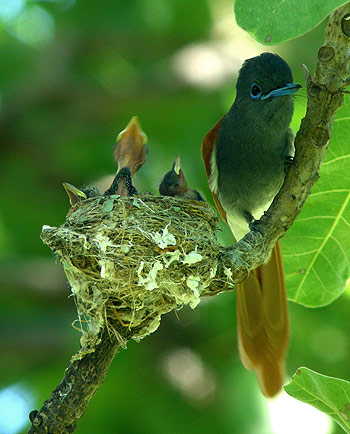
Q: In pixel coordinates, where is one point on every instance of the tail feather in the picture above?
(263, 324)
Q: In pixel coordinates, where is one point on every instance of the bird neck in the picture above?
(259, 123)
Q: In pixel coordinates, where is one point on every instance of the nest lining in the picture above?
(132, 259)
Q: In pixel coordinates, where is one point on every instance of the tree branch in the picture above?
(81, 380)
(131, 260)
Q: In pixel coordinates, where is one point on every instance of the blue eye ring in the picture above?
(255, 91)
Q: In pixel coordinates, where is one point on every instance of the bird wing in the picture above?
(208, 147)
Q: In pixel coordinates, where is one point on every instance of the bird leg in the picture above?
(122, 184)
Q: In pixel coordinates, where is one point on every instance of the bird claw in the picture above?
(289, 161)
(254, 226)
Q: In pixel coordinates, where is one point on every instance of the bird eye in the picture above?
(255, 91)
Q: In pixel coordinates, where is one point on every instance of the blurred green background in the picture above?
(72, 73)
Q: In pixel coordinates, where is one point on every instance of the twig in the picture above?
(68, 402)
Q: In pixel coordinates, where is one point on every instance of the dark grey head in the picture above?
(170, 184)
(261, 75)
(174, 182)
(265, 91)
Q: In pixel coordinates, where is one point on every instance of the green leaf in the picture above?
(275, 21)
(328, 394)
(136, 203)
(316, 249)
(108, 205)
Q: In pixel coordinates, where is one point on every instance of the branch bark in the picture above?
(82, 378)
(123, 317)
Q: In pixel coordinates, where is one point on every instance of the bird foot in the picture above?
(254, 226)
(289, 161)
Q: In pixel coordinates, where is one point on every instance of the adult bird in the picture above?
(174, 183)
(129, 155)
(245, 155)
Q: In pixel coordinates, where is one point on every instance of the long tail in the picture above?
(263, 323)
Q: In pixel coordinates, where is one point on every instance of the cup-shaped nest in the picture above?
(130, 260)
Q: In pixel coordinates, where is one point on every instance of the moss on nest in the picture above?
(129, 260)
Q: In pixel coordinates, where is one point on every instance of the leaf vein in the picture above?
(343, 157)
(321, 399)
(330, 232)
(341, 249)
(339, 190)
(291, 255)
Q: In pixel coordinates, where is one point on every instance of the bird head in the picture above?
(130, 150)
(174, 182)
(265, 90)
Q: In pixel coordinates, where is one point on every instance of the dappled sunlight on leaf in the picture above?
(316, 248)
(186, 371)
(328, 394)
(15, 404)
(9, 9)
(33, 26)
(277, 21)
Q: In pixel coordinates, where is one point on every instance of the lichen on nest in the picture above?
(130, 260)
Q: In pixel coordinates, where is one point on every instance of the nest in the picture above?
(130, 260)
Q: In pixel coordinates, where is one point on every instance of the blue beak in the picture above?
(289, 89)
